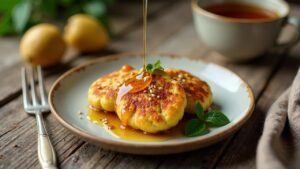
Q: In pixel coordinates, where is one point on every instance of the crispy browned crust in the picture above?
(103, 92)
(158, 107)
(196, 89)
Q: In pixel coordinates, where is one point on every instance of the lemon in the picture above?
(42, 45)
(85, 34)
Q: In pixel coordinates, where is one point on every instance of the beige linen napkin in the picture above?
(279, 145)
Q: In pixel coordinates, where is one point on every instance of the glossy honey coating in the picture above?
(196, 89)
(158, 107)
(102, 93)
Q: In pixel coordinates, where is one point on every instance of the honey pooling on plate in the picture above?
(112, 124)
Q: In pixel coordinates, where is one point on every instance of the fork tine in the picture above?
(32, 88)
(25, 88)
(42, 86)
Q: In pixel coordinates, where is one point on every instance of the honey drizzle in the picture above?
(133, 85)
(140, 81)
(145, 13)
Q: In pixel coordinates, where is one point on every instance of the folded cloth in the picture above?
(279, 145)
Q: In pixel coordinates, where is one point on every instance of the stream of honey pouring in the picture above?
(140, 81)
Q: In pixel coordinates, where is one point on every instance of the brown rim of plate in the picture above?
(134, 148)
(200, 10)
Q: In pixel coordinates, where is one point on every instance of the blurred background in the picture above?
(19, 15)
(16, 16)
(108, 19)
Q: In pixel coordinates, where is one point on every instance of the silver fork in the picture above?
(37, 106)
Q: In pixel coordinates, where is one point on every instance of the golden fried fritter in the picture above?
(158, 107)
(102, 93)
(196, 89)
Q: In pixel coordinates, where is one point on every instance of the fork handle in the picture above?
(46, 152)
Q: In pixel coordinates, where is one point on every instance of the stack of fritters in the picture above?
(159, 106)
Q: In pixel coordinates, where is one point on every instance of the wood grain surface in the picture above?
(171, 30)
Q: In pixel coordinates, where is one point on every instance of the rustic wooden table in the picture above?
(170, 30)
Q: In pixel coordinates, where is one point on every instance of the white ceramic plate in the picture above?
(68, 95)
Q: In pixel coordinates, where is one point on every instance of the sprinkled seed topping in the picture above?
(181, 78)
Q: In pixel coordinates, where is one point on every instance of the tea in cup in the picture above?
(242, 29)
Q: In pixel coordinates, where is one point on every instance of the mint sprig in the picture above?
(195, 127)
(200, 125)
(216, 118)
(151, 68)
(199, 111)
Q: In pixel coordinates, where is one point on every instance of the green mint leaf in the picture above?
(217, 118)
(199, 111)
(21, 14)
(195, 127)
(157, 65)
(154, 67)
(149, 67)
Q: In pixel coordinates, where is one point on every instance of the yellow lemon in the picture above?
(42, 45)
(85, 33)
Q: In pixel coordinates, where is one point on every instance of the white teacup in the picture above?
(243, 39)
